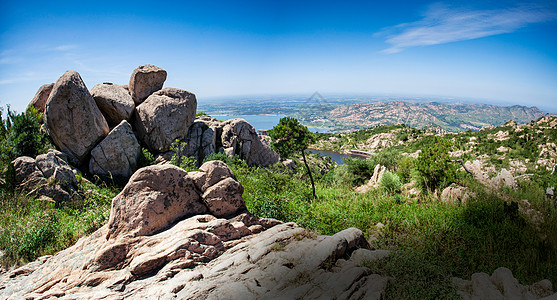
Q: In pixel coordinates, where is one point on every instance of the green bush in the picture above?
(391, 182)
(179, 158)
(20, 135)
(222, 157)
(405, 167)
(30, 228)
(146, 158)
(435, 166)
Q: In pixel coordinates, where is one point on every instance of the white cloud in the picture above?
(65, 47)
(442, 24)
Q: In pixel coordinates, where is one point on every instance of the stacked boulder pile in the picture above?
(47, 177)
(174, 234)
(103, 129)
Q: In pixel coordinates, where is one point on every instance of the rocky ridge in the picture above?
(189, 235)
(451, 117)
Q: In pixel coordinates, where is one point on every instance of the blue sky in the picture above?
(496, 51)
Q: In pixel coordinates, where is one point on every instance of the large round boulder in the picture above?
(164, 117)
(144, 81)
(154, 198)
(73, 120)
(117, 154)
(114, 101)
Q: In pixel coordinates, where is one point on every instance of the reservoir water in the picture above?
(264, 122)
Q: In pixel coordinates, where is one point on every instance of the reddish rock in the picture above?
(144, 81)
(72, 118)
(39, 101)
(164, 117)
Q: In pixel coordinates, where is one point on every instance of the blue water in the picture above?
(265, 122)
(337, 157)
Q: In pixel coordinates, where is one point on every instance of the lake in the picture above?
(264, 122)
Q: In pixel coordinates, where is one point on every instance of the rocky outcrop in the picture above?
(39, 101)
(114, 101)
(163, 241)
(503, 179)
(73, 120)
(154, 197)
(165, 117)
(78, 122)
(145, 80)
(232, 137)
(502, 285)
(374, 180)
(239, 137)
(116, 154)
(48, 176)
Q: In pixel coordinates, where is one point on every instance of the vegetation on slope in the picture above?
(30, 228)
(431, 240)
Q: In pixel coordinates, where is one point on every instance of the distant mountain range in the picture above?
(451, 117)
(350, 113)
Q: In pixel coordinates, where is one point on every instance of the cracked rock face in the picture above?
(73, 120)
(116, 154)
(144, 81)
(232, 137)
(114, 101)
(48, 176)
(164, 241)
(164, 117)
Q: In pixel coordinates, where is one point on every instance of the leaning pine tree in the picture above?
(290, 137)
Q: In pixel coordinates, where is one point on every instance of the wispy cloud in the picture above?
(65, 47)
(442, 24)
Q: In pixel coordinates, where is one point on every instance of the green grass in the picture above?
(30, 228)
(431, 241)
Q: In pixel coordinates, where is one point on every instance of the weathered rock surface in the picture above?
(39, 101)
(144, 81)
(374, 180)
(239, 137)
(232, 137)
(503, 179)
(73, 120)
(502, 285)
(151, 249)
(117, 154)
(164, 117)
(47, 176)
(154, 197)
(114, 101)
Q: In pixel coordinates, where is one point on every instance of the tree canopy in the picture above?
(289, 136)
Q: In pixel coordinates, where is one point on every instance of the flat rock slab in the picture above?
(204, 257)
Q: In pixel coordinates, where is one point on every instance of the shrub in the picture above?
(391, 182)
(222, 157)
(435, 166)
(404, 168)
(146, 158)
(180, 159)
(20, 135)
